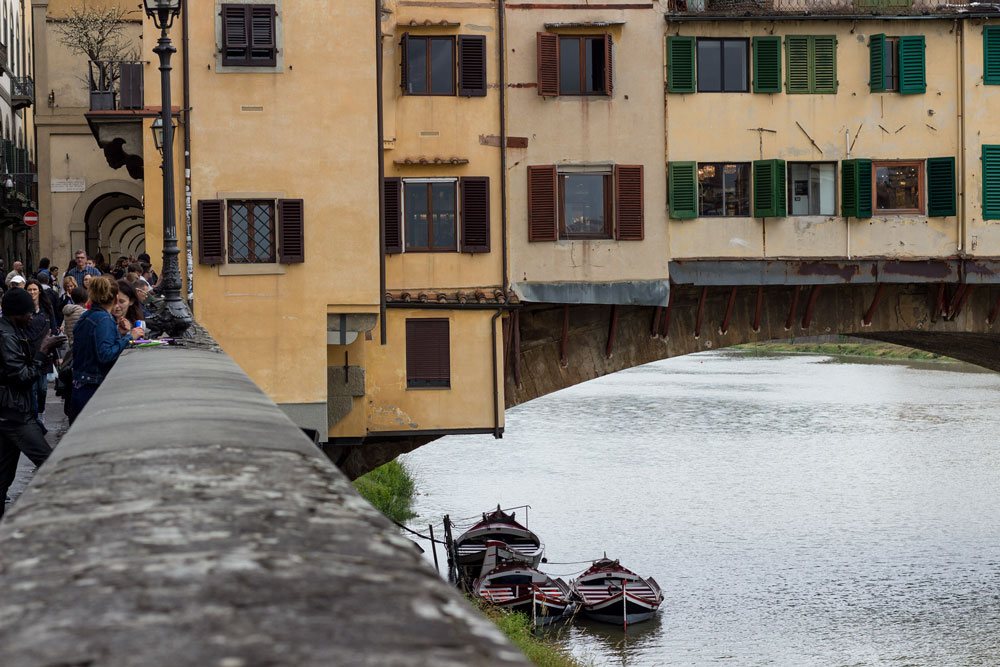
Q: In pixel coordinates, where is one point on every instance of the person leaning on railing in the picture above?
(96, 343)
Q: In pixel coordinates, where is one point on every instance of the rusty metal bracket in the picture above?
(957, 301)
(665, 323)
(701, 312)
(654, 328)
(870, 313)
(938, 305)
(807, 318)
(790, 320)
(724, 329)
(564, 341)
(612, 331)
(759, 309)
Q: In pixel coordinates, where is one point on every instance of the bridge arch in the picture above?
(88, 221)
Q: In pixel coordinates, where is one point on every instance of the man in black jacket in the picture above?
(20, 368)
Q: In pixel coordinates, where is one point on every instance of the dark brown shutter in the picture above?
(404, 65)
(211, 233)
(542, 203)
(391, 196)
(628, 203)
(235, 35)
(609, 78)
(472, 65)
(263, 48)
(475, 213)
(131, 86)
(291, 231)
(428, 353)
(548, 64)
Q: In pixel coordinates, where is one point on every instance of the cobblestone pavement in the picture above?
(57, 424)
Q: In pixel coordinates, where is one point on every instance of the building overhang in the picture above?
(119, 134)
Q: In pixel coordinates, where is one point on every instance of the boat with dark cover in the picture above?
(611, 593)
(517, 587)
(500, 533)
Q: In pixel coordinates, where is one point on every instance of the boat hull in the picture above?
(612, 611)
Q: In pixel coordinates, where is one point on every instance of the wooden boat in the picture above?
(517, 587)
(611, 593)
(516, 542)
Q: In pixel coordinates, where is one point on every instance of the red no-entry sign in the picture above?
(31, 218)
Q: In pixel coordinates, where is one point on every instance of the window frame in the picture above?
(722, 63)
(454, 181)
(224, 64)
(582, 40)
(921, 187)
(791, 187)
(891, 81)
(749, 192)
(272, 231)
(428, 70)
(608, 194)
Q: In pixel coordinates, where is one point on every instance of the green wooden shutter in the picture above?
(856, 188)
(941, 186)
(769, 193)
(683, 182)
(824, 64)
(912, 65)
(680, 65)
(991, 182)
(876, 55)
(767, 64)
(797, 57)
(991, 55)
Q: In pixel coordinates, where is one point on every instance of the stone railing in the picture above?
(185, 520)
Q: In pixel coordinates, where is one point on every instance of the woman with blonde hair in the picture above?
(96, 343)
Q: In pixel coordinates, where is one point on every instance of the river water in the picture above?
(796, 510)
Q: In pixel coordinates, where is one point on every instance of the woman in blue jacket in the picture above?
(96, 343)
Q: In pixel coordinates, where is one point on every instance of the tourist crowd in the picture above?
(68, 332)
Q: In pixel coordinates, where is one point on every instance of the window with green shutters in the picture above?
(767, 64)
(680, 65)
(811, 64)
(912, 65)
(991, 55)
(856, 188)
(941, 186)
(991, 182)
(682, 180)
(769, 200)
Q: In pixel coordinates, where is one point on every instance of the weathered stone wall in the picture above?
(185, 520)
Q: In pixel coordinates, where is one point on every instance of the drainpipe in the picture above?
(186, 37)
(960, 161)
(496, 389)
(501, 50)
(380, 121)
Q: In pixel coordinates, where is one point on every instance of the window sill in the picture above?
(251, 269)
(426, 388)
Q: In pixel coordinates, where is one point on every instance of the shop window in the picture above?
(898, 187)
(724, 189)
(813, 188)
(722, 66)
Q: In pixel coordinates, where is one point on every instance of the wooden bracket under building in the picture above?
(807, 318)
(724, 329)
(701, 312)
(758, 310)
(564, 341)
(790, 320)
(665, 324)
(870, 313)
(612, 331)
(958, 300)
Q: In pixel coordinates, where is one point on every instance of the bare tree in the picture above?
(99, 33)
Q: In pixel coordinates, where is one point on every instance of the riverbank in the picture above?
(391, 490)
(843, 349)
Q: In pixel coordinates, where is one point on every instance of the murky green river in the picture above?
(796, 510)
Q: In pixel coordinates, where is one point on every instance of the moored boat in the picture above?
(611, 593)
(517, 587)
(498, 531)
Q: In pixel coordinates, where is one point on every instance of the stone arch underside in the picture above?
(563, 345)
(94, 204)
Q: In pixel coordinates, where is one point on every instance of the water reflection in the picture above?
(795, 511)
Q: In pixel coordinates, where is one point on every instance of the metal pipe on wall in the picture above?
(380, 119)
(501, 68)
(960, 158)
(185, 38)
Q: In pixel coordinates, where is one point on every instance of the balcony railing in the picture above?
(732, 8)
(22, 92)
(115, 85)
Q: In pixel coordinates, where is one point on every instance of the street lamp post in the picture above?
(174, 317)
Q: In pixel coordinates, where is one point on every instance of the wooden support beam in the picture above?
(654, 329)
(961, 296)
(937, 309)
(665, 328)
(612, 331)
(701, 312)
(759, 309)
(729, 311)
(870, 313)
(790, 320)
(517, 348)
(807, 318)
(564, 341)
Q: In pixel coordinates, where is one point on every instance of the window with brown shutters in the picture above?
(291, 231)
(574, 65)
(393, 208)
(249, 35)
(428, 353)
(443, 65)
(475, 213)
(628, 197)
(250, 229)
(581, 203)
(542, 203)
(472, 65)
(211, 233)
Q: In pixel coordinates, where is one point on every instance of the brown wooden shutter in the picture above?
(235, 34)
(392, 198)
(472, 65)
(542, 186)
(131, 86)
(291, 231)
(263, 48)
(628, 203)
(404, 65)
(609, 79)
(428, 353)
(548, 64)
(211, 232)
(475, 213)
